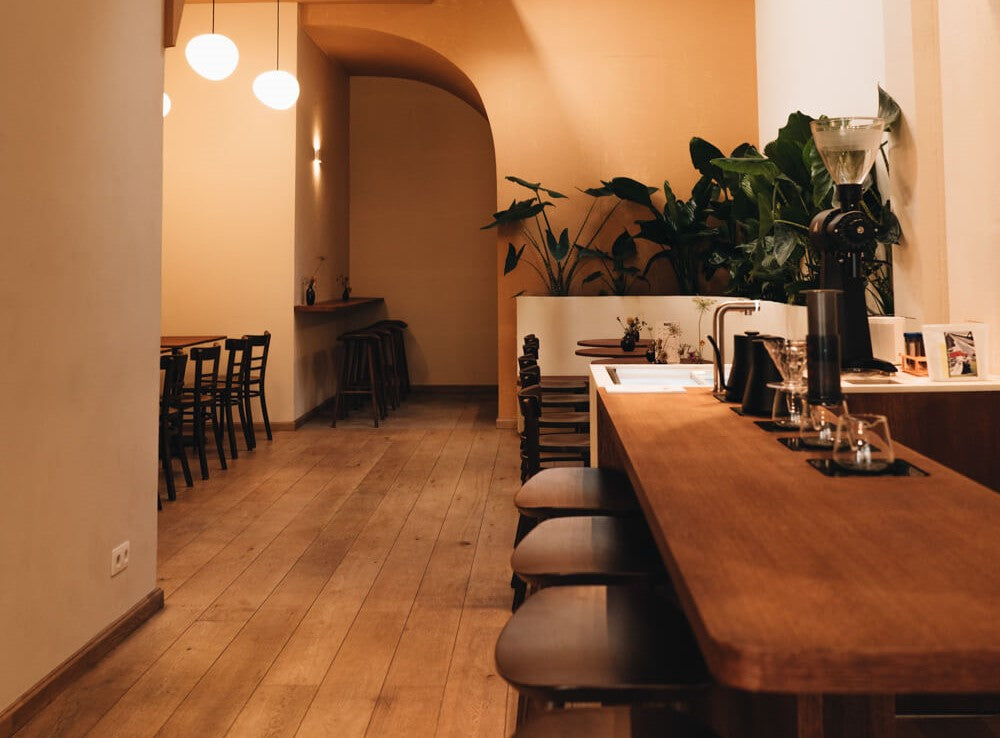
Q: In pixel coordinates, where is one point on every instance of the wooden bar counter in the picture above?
(800, 584)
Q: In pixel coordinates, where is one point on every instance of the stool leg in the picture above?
(376, 403)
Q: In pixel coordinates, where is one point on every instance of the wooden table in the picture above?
(612, 352)
(805, 585)
(176, 343)
(611, 342)
(339, 306)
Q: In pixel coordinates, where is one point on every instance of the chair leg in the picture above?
(217, 432)
(376, 404)
(246, 417)
(168, 471)
(185, 467)
(263, 413)
(227, 414)
(198, 429)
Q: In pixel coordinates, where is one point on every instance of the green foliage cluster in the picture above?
(748, 213)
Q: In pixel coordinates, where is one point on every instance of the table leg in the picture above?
(846, 716)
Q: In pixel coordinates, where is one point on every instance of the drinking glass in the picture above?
(863, 444)
(819, 425)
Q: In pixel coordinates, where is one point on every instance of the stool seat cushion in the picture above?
(587, 550)
(613, 722)
(576, 491)
(608, 644)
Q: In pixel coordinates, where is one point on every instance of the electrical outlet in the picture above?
(119, 558)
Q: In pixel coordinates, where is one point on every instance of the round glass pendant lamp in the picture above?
(277, 88)
(212, 55)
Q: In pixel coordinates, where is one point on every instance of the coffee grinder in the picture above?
(848, 147)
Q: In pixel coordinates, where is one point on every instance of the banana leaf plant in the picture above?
(768, 203)
(557, 258)
(679, 229)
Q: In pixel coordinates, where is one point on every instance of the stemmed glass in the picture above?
(789, 357)
(863, 444)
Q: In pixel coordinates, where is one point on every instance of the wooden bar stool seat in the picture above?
(609, 644)
(596, 549)
(613, 722)
(566, 491)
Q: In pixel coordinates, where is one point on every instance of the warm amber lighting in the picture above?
(166, 104)
(212, 55)
(277, 89)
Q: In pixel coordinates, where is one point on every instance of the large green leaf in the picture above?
(513, 257)
(702, 153)
(559, 248)
(784, 242)
(535, 186)
(670, 206)
(787, 154)
(657, 231)
(765, 217)
(705, 191)
(624, 247)
(744, 150)
(631, 191)
(822, 185)
(750, 165)
(889, 231)
(888, 109)
(518, 210)
(597, 191)
(592, 276)
(797, 129)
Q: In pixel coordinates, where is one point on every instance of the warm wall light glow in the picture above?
(166, 104)
(277, 89)
(212, 55)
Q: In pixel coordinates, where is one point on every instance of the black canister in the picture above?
(758, 398)
(823, 347)
(741, 366)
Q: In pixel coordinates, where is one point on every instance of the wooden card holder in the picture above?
(916, 365)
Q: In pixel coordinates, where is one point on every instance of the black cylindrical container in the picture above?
(823, 347)
(758, 398)
(742, 349)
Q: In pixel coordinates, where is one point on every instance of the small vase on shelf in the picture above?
(345, 282)
(346, 294)
(311, 292)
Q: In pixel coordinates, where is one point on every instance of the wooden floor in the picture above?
(335, 582)
(343, 582)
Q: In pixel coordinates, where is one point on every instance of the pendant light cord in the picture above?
(213, 16)
(277, 35)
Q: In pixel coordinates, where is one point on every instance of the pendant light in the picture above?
(277, 89)
(212, 55)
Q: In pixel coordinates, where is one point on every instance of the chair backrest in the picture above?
(236, 362)
(206, 370)
(258, 346)
(526, 362)
(173, 367)
(529, 402)
(530, 377)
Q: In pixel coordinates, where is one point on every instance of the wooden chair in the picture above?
(171, 442)
(614, 722)
(576, 401)
(597, 549)
(258, 347)
(613, 644)
(561, 385)
(200, 405)
(549, 448)
(230, 392)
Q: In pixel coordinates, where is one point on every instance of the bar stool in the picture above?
(612, 644)
(596, 549)
(391, 383)
(614, 722)
(361, 374)
(566, 491)
(398, 329)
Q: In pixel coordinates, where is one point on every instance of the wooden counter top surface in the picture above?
(797, 582)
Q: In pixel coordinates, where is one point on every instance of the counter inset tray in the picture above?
(898, 468)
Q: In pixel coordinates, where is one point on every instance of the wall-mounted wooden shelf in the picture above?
(339, 306)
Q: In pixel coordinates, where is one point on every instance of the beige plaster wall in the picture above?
(229, 181)
(579, 90)
(422, 182)
(80, 146)
(321, 218)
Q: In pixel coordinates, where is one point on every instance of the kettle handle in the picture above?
(718, 360)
